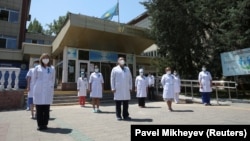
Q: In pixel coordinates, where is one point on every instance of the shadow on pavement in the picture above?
(58, 130)
(141, 120)
(183, 111)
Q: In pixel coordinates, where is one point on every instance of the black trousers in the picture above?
(141, 101)
(151, 95)
(118, 105)
(42, 115)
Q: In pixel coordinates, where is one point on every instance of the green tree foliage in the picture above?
(35, 27)
(193, 33)
(55, 27)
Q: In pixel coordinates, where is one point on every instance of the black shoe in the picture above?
(127, 118)
(39, 128)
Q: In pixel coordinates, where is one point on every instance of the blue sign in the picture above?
(103, 56)
(236, 62)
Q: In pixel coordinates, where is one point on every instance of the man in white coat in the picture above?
(141, 88)
(82, 87)
(177, 87)
(167, 82)
(121, 86)
(205, 81)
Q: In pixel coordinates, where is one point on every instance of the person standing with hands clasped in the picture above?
(205, 81)
(167, 82)
(121, 86)
(43, 90)
(177, 87)
(151, 86)
(141, 88)
(82, 87)
(96, 89)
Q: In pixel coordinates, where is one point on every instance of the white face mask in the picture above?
(203, 69)
(141, 73)
(168, 72)
(175, 73)
(35, 64)
(121, 62)
(96, 70)
(45, 61)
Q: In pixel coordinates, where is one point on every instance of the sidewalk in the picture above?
(75, 123)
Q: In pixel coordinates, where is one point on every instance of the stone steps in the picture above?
(63, 98)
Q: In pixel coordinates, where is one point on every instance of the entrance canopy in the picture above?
(87, 32)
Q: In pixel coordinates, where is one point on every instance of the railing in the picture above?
(9, 78)
(217, 85)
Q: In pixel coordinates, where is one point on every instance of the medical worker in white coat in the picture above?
(96, 83)
(82, 87)
(177, 87)
(121, 86)
(167, 82)
(205, 81)
(30, 84)
(141, 88)
(43, 90)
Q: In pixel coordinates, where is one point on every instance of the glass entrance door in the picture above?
(83, 67)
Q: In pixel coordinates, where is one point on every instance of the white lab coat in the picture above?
(205, 79)
(32, 81)
(82, 86)
(44, 85)
(167, 82)
(177, 84)
(121, 81)
(141, 84)
(96, 80)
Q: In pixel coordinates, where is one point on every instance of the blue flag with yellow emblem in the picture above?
(108, 15)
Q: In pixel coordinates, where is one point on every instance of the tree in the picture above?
(56, 25)
(194, 33)
(35, 27)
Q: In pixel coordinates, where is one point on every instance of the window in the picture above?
(2, 43)
(83, 55)
(34, 41)
(4, 15)
(8, 42)
(9, 15)
(71, 70)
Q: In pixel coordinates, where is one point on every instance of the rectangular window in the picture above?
(13, 16)
(2, 43)
(4, 15)
(11, 43)
(83, 55)
(71, 70)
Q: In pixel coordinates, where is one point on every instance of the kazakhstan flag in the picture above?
(108, 15)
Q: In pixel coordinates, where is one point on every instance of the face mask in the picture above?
(175, 73)
(141, 73)
(45, 61)
(121, 62)
(35, 64)
(168, 72)
(203, 69)
(96, 70)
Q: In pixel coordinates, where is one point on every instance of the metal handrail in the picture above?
(217, 84)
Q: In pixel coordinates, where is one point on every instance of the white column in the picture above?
(9, 80)
(17, 72)
(2, 79)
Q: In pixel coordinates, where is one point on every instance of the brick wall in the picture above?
(13, 99)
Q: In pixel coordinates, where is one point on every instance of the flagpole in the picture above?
(118, 11)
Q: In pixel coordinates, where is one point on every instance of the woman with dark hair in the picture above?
(43, 90)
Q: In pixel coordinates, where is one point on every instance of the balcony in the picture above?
(9, 78)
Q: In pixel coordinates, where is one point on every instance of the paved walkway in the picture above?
(75, 123)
